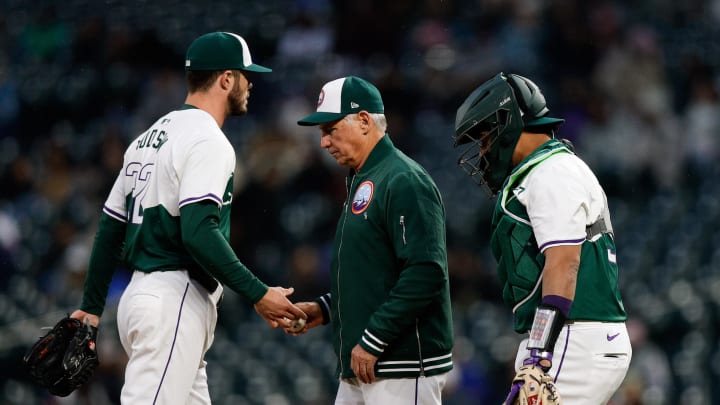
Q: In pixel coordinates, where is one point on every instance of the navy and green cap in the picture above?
(221, 51)
(340, 97)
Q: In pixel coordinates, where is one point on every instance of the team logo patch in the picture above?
(321, 97)
(363, 196)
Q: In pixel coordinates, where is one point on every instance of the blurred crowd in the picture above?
(636, 81)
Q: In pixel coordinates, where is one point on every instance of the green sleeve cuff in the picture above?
(324, 302)
(372, 344)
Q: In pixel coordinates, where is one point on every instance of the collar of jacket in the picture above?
(382, 149)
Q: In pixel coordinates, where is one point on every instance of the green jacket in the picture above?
(389, 289)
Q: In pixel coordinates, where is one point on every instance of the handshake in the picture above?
(295, 318)
(299, 326)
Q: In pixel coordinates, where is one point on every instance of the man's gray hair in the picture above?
(379, 120)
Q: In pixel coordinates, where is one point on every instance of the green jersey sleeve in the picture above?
(106, 253)
(202, 237)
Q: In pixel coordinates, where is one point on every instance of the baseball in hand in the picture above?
(297, 325)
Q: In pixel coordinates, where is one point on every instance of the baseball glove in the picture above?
(532, 386)
(63, 359)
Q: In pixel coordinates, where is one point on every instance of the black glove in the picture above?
(64, 358)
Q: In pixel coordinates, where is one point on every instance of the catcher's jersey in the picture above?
(181, 159)
(550, 199)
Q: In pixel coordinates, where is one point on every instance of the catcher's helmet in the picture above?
(491, 120)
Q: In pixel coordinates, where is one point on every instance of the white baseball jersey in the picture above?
(562, 197)
(559, 212)
(559, 198)
(552, 198)
(166, 320)
(183, 158)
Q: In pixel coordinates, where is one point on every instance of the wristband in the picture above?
(547, 324)
(561, 303)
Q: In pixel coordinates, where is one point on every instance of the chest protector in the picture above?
(520, 263)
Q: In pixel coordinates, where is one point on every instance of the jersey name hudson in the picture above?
(183, 158)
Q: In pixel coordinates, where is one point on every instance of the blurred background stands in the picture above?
(637, 82)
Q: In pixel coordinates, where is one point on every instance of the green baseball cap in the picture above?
(340, 97)
(221, 51)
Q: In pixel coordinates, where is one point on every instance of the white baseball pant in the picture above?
(590, 361)
(166, 323)
(415, 391)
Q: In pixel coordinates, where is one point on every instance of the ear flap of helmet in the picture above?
(531, 102)
(529, 97)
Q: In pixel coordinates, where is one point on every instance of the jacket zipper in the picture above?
(420, 356)
(342, 234)
(402, 223)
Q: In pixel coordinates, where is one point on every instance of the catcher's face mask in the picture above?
(491, 120)
(476, 145)
(487, 126)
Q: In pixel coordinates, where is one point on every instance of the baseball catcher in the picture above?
(554, 244)
(63, 359)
